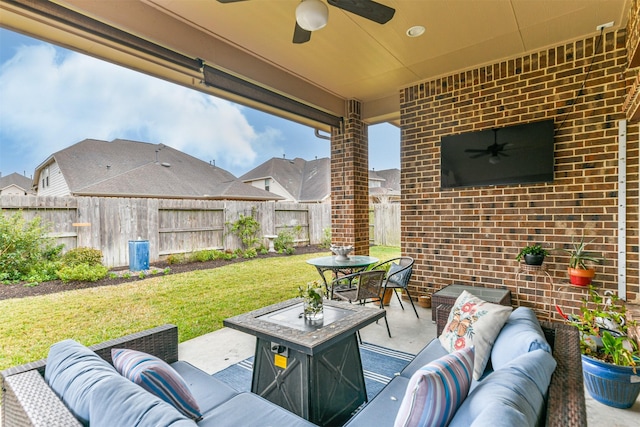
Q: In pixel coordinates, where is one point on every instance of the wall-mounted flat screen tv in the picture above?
(521, 154)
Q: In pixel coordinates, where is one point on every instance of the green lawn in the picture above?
(197, 302)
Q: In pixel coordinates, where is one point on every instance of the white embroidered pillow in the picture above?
(474, 322)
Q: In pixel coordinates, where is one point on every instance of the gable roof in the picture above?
(17, 180)
(126, 168)
(390, 178)
(306, 181)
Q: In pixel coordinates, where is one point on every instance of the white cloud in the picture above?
(52, 99)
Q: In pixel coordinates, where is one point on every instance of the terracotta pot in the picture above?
(386, 298)
(424, 301)
(580, 277)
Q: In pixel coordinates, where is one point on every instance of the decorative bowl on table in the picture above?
(341, 252)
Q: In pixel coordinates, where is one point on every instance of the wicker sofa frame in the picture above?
(28, 401)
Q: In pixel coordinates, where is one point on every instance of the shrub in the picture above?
(326, 238)
(26, 251)
(246, 227)
(225, 255)
(82, 255)
(201, 256)
(82, 272)
(175, 259)
(284, 242)
(250, 253)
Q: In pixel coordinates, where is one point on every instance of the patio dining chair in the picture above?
(361, 287)
(398, 274)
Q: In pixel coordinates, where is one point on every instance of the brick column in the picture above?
(350, 182)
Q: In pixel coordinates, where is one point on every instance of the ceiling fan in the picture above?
(495, 150)
(312, 15)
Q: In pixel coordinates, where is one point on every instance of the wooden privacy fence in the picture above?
(178, 225)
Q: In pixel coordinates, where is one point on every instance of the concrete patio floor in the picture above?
(220, 349)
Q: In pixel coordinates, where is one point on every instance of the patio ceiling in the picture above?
(351, 58)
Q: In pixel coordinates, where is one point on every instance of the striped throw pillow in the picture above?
(436, 390)
(157, 377)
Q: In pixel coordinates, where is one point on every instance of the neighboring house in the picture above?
(296, 180)
(304, 181)
(384, 186)
(123, 168)
(16, 184)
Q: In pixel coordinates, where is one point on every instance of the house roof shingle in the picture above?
(138, 169)
(16, 179)
(306, 181)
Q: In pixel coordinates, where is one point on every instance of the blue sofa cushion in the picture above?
(251, 410)
(208, 391)
(382, 410)
(157, 377)
(515, 391)
(119, 402)
(73, 371)
(520, 334)
(436, 390)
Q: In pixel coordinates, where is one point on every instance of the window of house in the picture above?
(267, 182)
(45, 177)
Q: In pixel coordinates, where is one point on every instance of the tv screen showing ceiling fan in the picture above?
(521, 154)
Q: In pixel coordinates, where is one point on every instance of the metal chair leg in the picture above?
(399, 299)
(411, 301)
(387, 323)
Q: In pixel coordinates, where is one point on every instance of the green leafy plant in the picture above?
(166, 271)
(312, 294)
(246, 227)
(176, 259)
(82, 255)
(250, 253)
(605, 330)
(82, 264)
(326, 238)
(531, 250)
(284, 242)
(26, 250)
(82, 273)
(579, 257)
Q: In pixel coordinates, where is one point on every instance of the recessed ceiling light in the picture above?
(415, 31)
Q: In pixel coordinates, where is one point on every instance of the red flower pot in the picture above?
(580, 277)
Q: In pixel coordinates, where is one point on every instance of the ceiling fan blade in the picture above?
(300, 35)
(475, 150)
(366, 8)
(475, 156)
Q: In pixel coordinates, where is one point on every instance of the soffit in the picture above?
(351, 58)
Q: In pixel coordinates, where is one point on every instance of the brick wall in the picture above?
(350, 182)
(472, 235)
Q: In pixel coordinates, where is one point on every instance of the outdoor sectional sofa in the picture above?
(29, 401)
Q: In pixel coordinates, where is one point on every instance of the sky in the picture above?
(52, 98)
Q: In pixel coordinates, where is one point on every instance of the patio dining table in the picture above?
(353, 264)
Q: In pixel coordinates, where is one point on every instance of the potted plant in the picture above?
(312, 294)
(581, 272)
(533, 254)
(610, 351)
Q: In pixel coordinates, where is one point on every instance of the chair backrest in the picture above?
(370, 284)
(400, 270)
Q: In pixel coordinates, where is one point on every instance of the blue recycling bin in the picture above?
(138, 255)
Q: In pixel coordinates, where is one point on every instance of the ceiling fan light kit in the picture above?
(312, 15)
(415, 31)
